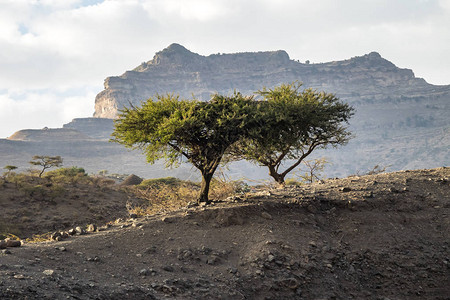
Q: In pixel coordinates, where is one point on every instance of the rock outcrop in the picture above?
(178, 70)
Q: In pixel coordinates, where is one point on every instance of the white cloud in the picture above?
(55, 45)
(36, 110)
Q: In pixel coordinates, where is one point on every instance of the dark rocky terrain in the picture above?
(384, 236)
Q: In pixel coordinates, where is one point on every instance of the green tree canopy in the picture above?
(172, 128)
(295, 124)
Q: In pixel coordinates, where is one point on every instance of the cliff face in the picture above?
(177, 70)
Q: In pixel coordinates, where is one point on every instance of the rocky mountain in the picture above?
(401, 121)
(177, 70)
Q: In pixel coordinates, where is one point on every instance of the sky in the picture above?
(55, 54)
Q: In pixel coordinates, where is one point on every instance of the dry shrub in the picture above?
(293, 182)
(72, 175)
(100, 181)
(169, 194)
(39, 238)
(163, 197)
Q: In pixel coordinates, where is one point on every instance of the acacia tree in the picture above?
(46, 162)
(172, 128)
(295, 124)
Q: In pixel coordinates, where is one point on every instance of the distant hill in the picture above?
(47, 134)
(401, 121)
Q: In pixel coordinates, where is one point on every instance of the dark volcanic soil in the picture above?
(384, 236)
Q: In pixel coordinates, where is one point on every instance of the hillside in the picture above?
(382, 236)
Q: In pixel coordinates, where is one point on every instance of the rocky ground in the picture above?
(384, 236)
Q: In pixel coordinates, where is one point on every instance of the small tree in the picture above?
(314, 169)
(9, 169)
(46, 162)
(173, 129)
(295, 124)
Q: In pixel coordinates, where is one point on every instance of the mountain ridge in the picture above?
(176, 69)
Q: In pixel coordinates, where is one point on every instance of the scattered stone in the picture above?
(369, 195)
(62, 249)
(266, 215)
(167, 219)
(12, 243)
(168, 268)
(6, 251)
(79, 230)
(393, 190)
(19, 276)
(72, 231)
(150, 250)
(55, 235)
(91, 228)
(212, 260)
(94, 259)
(48, 272)
(131, 180)
(104, 227)
(234, 199)
(147, 272)
(262, 194)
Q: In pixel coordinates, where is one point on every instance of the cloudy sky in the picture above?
(55, 54)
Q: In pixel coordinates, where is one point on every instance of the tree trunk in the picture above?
(206, 182)
(279, 178)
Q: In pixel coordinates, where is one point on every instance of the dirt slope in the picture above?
(383, 236)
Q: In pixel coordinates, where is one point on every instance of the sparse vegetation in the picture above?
(170, 193)
(46, 162)
(9, 169)
(375, 170)
(314, 169)
(68, 175)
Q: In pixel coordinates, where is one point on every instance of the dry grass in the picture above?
(39, 238)
(169, 194)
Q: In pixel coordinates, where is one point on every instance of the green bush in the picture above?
(157, 182)
(292, 182)
(68, 175)
(70, 172)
